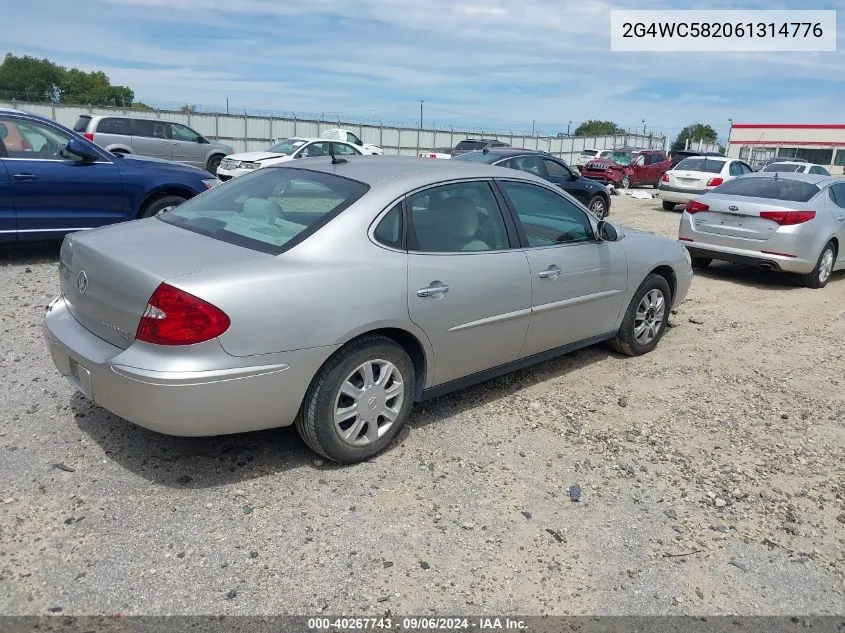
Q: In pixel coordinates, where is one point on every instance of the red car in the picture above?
(629, 167)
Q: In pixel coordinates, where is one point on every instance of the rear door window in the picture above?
(707, 165)
(151, 128)
(783, 188)
(269, 210)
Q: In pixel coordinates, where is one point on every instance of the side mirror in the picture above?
(607, 232)
(80, 150)
(359, 142)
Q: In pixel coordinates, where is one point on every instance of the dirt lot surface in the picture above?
(711, 476)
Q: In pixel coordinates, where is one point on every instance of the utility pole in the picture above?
(227, 106)
(643, 122)
(568, 125)
(532, 127)
(421, 113)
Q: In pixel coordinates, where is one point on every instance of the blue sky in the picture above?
(504, 64)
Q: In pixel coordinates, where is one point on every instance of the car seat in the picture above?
(457, 225)
(263, 209)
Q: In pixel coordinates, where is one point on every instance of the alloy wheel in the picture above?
(649, 316)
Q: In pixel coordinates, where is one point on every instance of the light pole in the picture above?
(421, 113)
(568, 125)
(643, 122)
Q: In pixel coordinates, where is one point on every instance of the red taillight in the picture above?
(788, 218)
(174, 317)
(89, 136)
(694, 206)
(715, 182)
(665, 178)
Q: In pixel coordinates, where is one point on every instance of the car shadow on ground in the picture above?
(208, 462)
(30, 253)
(758, 278)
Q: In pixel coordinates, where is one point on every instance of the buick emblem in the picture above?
(82, 282)
(733, 207)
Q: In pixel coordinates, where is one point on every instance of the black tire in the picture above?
(701, 262)
(668, 206)
(600, 203)
(625, 341)
(625, 183)
(657, 182)
(213, 164)
(315, 422)
(815, 278)
(159, 204)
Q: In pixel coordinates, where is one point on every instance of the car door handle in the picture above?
(552, 272)
(24, 177)
(435, 289)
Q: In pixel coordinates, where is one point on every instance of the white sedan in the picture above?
(282, 151)
(797, 168)
(696, 175)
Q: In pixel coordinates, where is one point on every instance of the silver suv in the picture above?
(152, 137)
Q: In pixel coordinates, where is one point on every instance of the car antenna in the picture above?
(335, 159)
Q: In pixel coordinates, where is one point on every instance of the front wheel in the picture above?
(668, 206)
(598, 206)
(646, 317)
(700, 262)
(359, 401)
(819, 276)
(157, 205)
(213, 164)
(625, 183)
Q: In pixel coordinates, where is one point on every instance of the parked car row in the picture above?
(628, 167)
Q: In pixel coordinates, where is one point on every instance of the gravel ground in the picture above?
(711, 477)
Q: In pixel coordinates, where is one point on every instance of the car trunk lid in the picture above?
(108, 275)
(737, 217)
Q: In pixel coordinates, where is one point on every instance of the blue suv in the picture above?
(53, 181)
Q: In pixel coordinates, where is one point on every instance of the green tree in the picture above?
(694, 132)
(35, 79)
(595, 127)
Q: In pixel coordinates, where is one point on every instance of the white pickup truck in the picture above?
(339, 134)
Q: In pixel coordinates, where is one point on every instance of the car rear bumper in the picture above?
(218, 401)
(678, 195)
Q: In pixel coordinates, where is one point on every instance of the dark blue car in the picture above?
(54, 181)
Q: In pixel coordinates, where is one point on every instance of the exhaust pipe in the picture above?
(765, 266)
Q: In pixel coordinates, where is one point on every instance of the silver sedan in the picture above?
(334, 294)
(778, 221)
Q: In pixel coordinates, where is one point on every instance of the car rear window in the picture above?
(589, 152)
(771, 188)
(479, 157)
(114, 125)
(81, 123)
(782, 167)
(269, 210)
(464, 145)
(708, 165)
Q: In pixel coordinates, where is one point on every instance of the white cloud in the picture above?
(503, 62)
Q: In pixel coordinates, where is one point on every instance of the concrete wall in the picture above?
(250, 133)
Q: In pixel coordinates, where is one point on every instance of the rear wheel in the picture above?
(359, 401)
(156, 205)
(213, 164)
(700, 262)
(668, 206)
(598, 206)
(819, 276)
(645, 321)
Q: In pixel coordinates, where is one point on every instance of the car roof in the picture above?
(793, 162)
(372, 170)
(511, 151)
(813, 179)
(11, 111)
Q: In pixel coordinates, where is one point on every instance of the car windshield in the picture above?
(269, 210)
(709, 165)
(287, 146)
(771, 188)
(478, 157)
(623, 158)
(783, 167)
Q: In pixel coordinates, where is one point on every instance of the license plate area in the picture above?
(81, 378)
